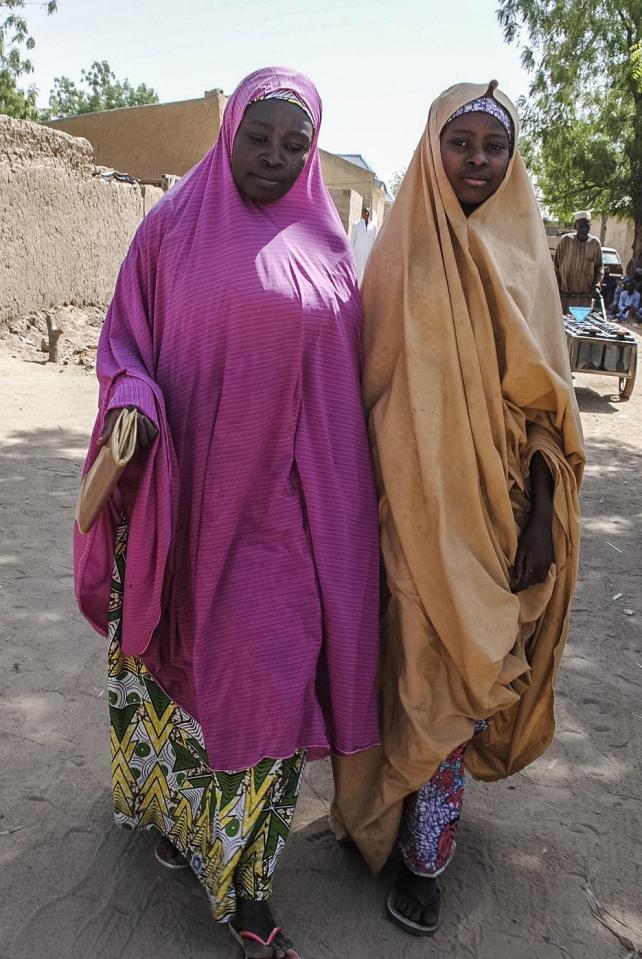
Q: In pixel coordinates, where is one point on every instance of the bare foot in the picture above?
(256, 917)
(417, 900)
(168, 855)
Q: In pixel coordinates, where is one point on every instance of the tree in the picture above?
(583, 118)
(15, 44)
(98, 90)
(397, 180)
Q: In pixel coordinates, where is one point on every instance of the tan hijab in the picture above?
(466, 376)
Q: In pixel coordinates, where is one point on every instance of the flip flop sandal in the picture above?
(167, 855)
(241, 937)
(414, 928)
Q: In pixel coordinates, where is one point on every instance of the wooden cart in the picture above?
(615, 354)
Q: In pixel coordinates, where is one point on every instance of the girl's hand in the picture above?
(535, 548)
(534, 553)
(146, 432)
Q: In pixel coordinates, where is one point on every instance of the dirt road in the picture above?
(72, 886)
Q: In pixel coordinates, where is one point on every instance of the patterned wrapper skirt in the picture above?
(231, 826)
(427, 837)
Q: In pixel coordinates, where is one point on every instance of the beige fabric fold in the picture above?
(466, 376)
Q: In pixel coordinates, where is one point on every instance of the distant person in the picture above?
(629, 303)
(609, 286)
(578, 264)
(619, 286)
(242, 610)
(362, 237)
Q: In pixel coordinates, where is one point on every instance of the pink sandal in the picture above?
(241, 935)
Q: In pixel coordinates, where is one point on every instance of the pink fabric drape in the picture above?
(252, 571)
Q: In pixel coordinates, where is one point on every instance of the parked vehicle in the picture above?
(611, 258)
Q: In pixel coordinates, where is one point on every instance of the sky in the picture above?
(378, 64)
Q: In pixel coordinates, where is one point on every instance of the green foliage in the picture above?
(14, 101)
(98, 90)
(584, 162)
(397, 179)
(15, 44)
(583, 116)
(636, 63)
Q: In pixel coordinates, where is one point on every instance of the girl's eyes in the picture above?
(293, 148)
(493, 147)
(257, 139)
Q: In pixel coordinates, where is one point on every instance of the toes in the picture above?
(415, 912)
(401, 903)
(255, 951)
(283, 948)
(412, 908)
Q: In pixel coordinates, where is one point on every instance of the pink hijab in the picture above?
(252, 568)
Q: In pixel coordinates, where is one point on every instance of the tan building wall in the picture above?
(340, 173)
(162, 138)
(151, 140)
(63, 230)
(349, 205)
(617, 234)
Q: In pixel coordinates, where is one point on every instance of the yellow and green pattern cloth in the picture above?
(231, 826)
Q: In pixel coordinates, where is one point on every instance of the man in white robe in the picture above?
(362, 237)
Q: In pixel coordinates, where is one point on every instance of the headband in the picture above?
(493, 108)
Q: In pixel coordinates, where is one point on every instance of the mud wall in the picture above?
(64, 229)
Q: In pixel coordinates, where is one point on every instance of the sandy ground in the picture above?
(72, 886)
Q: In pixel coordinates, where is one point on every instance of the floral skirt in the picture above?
(231, 826)
(427, 838)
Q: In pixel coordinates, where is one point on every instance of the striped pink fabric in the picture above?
(252, 572)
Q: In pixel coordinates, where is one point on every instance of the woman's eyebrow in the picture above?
(261, 123)
(270, 126)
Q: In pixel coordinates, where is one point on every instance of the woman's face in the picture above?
(271, 148)
(475, 151)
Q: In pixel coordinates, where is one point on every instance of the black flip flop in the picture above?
(414, 928)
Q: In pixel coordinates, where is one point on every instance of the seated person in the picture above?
(629, 303)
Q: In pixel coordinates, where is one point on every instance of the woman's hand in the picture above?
(146, 432)
(535, 548)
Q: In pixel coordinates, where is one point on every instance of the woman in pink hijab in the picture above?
(242, 603)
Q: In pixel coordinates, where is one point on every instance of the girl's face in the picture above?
(271, 148)
(475, 151)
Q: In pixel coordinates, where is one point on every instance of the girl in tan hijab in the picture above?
(478, 447)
